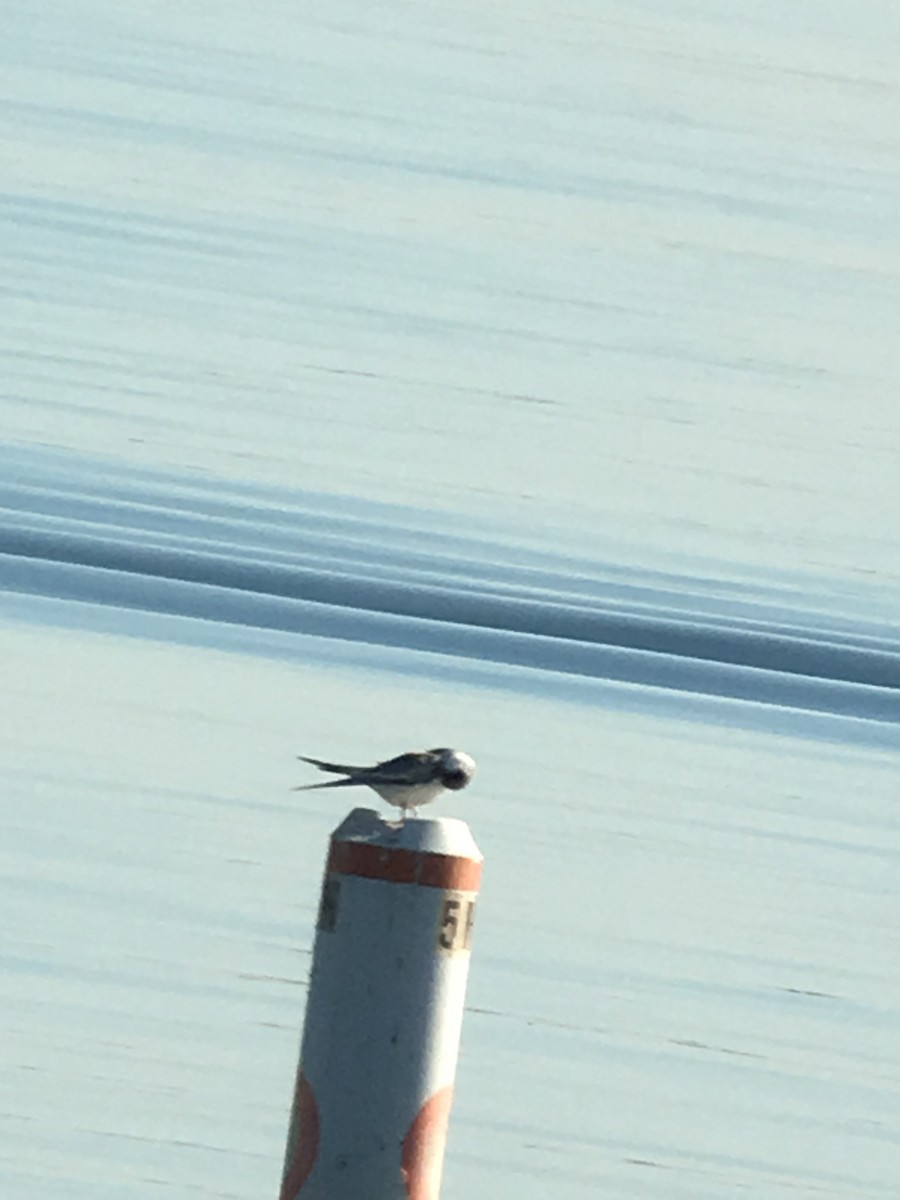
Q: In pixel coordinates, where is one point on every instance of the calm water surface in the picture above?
(388, 377)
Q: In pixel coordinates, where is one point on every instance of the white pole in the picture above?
(384, 1011)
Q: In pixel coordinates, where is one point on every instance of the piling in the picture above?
(384, 1011)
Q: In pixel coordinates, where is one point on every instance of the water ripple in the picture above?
(333, 568)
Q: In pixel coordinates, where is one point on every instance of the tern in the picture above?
(407, 781)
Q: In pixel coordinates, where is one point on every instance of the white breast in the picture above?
(409, 797)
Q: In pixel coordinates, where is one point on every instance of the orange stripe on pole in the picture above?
(423, 1147)
(404, 866)
(305, 1131)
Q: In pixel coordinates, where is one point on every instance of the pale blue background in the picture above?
(604, 293)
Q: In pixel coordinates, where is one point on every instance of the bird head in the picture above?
(457, 768)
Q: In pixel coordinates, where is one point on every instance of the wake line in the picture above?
(209, 588)
(593, 626)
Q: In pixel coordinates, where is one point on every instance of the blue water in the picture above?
(508, 615)
(524, 382)
(685, 799)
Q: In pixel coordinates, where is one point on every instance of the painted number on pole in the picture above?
(328, 903)
(456, 921)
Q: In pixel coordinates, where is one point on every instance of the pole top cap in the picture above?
(433, 835)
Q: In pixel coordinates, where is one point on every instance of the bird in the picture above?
(406, 781)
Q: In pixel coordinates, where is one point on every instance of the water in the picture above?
(387, 378)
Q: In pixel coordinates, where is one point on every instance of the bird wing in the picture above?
(415, 767)
(334, 768)
(406, 769)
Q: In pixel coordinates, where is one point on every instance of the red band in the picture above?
(421, 867)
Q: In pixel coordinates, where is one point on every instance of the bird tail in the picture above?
(333, 768)
(332, 783)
